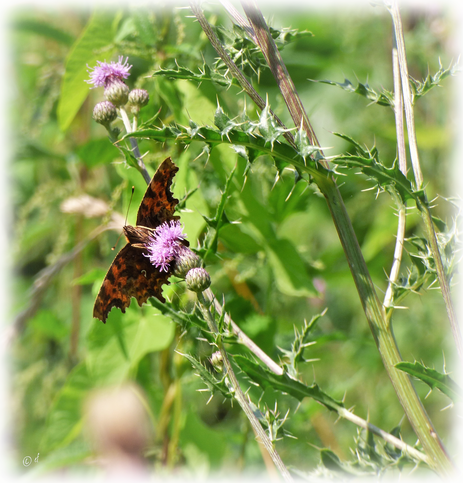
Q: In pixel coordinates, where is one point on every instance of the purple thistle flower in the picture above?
(165, 244)
(104, 73)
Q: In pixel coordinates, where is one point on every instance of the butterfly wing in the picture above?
(158, 204)
(130, 275)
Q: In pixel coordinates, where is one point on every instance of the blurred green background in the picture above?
(60, 354)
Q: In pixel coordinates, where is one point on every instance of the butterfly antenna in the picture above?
(126, 216)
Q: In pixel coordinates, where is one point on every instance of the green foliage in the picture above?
(250, 209)
(86, 51)
(433, 378)
(285, 384)
(382, 98)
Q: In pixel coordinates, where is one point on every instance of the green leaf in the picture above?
(44, 29)
(419, 89)
(332, 462)
(290, 274)
(94, 275)
(207, 440)
(213, 384)
(114, 351)
(390, 179)
(243, 136)
(205, 74)
(87, 50)
(220, 218)
(74, 453)
(382, 98)
(181, 318)
(145, 27)
(48, 324)
(433, 378)
(64, 421)
(97, 152)
(285, 384)
(115, 348)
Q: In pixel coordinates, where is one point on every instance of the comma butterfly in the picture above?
(131, 274)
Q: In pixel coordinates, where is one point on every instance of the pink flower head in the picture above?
(104, 73)
(165, 244)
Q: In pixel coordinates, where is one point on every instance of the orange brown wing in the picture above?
(158, 204)
(130, 275)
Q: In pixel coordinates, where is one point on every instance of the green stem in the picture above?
(381, 330)
(342, 412)
(134, 144)
(399, 244)
(415, 161)
(238, 393)
(383, 334)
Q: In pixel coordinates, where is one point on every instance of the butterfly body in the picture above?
(131, 274)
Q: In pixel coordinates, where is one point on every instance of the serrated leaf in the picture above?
(383, 98)
(283, 153)
(98, 34)
(220, 218)
(386, 178)
(433, 378)
(184, 73)
(285, 383)
(181, 318)
(332, 462)
(213, 384)
(419, 89)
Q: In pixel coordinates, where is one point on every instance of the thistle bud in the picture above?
(197, 280)
(185, 261)
(117, 91)
(138, 98)
(217, 361)
(104, 113)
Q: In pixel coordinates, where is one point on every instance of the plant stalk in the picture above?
(238, 393)
(415, 161)
(375, 314)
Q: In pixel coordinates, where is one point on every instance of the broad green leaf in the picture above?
(290, 274)
(97, 151)
(64, 422)
(236, 240)
(115, 348)
(145, 26)
(45, 322)
(74, 453)
(98, 34)
(207, 440)
(45, 29)
(433, 378)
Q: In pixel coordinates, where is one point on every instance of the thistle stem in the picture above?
(415, 161)
(399, 123)
(238, 393)
(135, 148)
(342, 412)
(374, 312)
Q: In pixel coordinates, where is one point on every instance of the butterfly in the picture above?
(131, 274)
